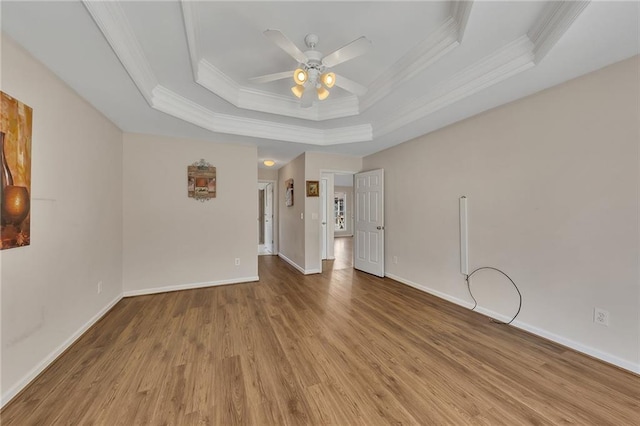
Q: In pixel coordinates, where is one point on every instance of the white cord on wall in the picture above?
(464, 238)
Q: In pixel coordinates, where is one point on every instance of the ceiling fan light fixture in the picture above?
(328, 79)
(322, 93)
(298, 90)
(300, 76)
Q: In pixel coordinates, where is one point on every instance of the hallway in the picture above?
(343, 253)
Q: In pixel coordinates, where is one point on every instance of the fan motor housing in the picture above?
(315, 57)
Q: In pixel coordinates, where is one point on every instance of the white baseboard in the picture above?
(298, 267)
(189, 286)
(35, 371)
(291, 262)
(596, 353)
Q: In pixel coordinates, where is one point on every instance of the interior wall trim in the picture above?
(49, 359)
(564, 341)
(189, 286)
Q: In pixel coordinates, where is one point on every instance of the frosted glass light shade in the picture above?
(322, 93)
(328, 79)
(300, 76)
(298, 90)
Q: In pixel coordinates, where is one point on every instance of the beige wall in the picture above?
(291, 225)
(49, 290)
(172, 241)
(552, 182)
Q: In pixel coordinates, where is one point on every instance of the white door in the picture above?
(323, 218)
(268, 218)
(368, 253)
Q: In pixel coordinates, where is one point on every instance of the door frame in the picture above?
(324, 218)
(274, 222)
(329, 174)
(268, 192)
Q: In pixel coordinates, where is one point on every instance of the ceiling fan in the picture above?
(313, 71)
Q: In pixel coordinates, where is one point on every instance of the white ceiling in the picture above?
(182, 68)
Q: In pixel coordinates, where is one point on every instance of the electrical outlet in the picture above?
(99, 287)
(395, 260)
(600, 316)
(237, 261)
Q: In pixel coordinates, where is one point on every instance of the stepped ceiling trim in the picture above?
(519, 55)
(178, 106)
(439, 43)
(114, 24)
(555, 21)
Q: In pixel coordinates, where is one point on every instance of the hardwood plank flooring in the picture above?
(341, 348)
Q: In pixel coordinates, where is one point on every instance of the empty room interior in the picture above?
(345, 213)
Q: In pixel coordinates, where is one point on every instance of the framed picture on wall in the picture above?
(201, 181)
(15, 170)
(288, 194)
(313, 188)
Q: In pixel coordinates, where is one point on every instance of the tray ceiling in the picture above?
(183, 68)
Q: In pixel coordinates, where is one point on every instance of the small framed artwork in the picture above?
(201, 181)
(288, 194)
(313, 188)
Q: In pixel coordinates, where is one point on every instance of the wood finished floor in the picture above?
(338, 348)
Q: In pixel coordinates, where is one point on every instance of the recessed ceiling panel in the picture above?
(231, 34)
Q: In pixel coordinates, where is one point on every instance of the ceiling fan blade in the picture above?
(287, 45)
(350, 86)
(307, 97)
(272, 77)
(356, 48)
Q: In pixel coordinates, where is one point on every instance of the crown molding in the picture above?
(191, 31)
(512, 59)
(555, 20)
(214, 80)
(113, 23)
(521, 54)
(180, 107)
(439, 43)
(211, 78)
(460, 11)
(115, 26)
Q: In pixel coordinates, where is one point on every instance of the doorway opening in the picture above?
(265, 218)
(336, 209)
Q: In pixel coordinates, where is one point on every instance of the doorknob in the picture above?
(324, 223)
(379, 228)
